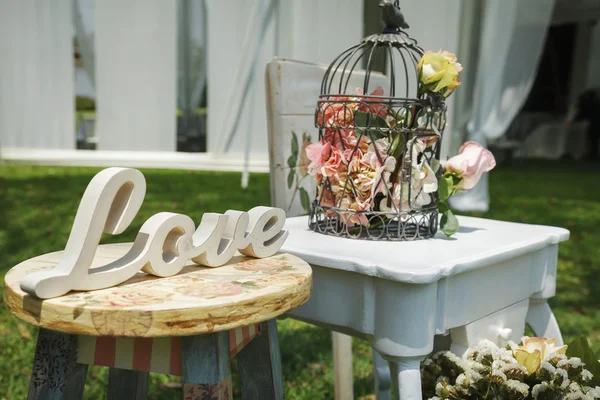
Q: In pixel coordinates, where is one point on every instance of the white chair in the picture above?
(292, 91)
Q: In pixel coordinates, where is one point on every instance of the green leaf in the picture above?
(580, 348)
(397, 147)
(443, 206)
(292, 161)
(290, 179)
(295, 146)
(449, 223)
(304, 200)
(369, 120)
(445, 188)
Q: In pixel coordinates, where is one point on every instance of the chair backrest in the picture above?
(292, 89)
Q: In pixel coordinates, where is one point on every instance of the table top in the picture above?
(479, 243)
(197, 300)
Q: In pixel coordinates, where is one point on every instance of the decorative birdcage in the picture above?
(379, 164)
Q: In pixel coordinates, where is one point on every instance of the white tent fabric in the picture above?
(512, 39)
(36, 75)
(135, 45)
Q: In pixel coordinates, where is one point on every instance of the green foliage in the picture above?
(85, 104)
(449, 223)
(304, 199)
(369, 120)
(38, 207)
(580, 348)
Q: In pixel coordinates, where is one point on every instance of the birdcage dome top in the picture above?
(353, 70)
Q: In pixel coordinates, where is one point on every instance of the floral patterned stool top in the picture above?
(189, 324)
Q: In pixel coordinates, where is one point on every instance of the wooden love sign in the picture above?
(164, 244)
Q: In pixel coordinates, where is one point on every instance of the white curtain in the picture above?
(135, 44)
(36, 74)
(511, 43)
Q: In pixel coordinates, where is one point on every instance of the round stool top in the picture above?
(197, 300)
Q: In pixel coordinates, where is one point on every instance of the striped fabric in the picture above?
(162, 355)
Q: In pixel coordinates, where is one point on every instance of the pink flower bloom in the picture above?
(314, 153)
(471, 162)
(333, 162)
(336, 112)
(377, 107)
(341, 139)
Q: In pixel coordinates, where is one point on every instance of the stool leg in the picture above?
(259, 365)
(56, 374)
(127, 384)
(206, 367)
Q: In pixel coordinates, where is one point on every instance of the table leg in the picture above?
(406, 378)
(127, 384)
(259, 365)
(206, 367)
(542, 320)
(383, 378)
(56, 374)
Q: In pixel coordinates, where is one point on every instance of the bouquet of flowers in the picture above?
(377, 158)
(538, 369)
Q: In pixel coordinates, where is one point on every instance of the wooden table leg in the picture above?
(406, 378)
(343, 379)
(56, 374)
(259, 365)
(127, 384)
(206, 367)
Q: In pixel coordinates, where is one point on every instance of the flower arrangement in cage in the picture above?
(377, 161)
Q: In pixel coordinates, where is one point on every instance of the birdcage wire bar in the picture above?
(396, 135)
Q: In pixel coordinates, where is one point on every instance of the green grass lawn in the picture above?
(38, 204)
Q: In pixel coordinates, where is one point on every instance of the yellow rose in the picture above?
(438, 72)
(536, 350)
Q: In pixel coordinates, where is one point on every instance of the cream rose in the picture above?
(438, 72)
(536, 350)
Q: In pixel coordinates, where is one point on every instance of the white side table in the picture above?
(399, 295)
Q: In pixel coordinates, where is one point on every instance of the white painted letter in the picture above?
(265, 234)
(109, 204)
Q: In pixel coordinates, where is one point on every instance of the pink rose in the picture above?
(470, 163)
(334, 114)
(341, 139)
(332, 165)
(375, 108)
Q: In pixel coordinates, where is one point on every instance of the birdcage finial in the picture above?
(392, 16)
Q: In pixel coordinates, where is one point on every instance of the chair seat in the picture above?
(198, 300)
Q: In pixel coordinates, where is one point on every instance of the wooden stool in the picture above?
(189, 324)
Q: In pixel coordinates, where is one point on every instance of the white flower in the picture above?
(519, 387)
(498, 376)
(562, 378)
(575, 362)
(577, 396)
(462, 380)
(586, 375)
(539, 388)
(546, 366)
(594, 393)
